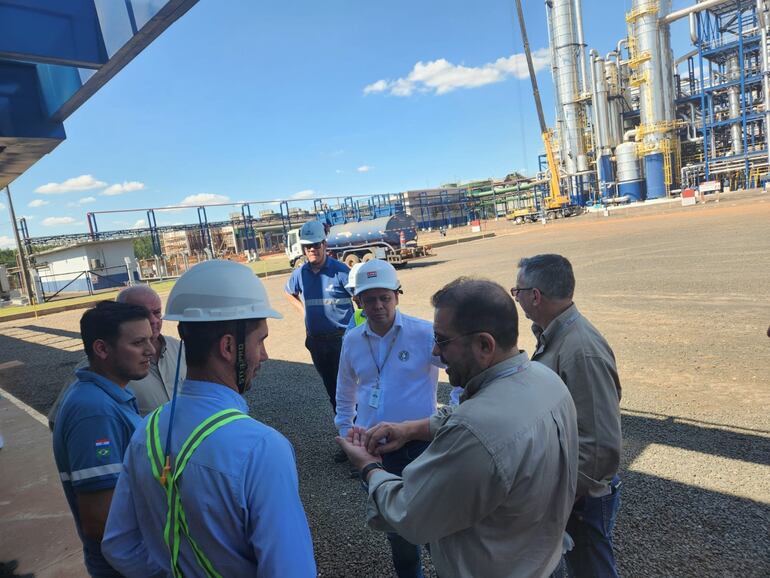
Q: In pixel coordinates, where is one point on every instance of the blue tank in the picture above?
(606, 176)
(631, 189)
(653, 171)
(387, 229)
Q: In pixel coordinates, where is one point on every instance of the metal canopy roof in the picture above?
(55, 55)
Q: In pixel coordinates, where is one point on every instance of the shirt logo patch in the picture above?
(371, 274)
(103, 447)
(403, 355)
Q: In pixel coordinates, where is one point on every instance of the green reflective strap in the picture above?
(359, 317)
(196, 438)
(203, 562)
(156, 460)
(175, 517)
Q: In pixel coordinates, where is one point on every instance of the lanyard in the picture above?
(387, 355)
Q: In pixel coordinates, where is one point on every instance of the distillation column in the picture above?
(565, 66)
(649, 44)
(602, 136)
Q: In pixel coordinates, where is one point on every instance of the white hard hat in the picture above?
(312, 232)
(376, 274)
(218, 291)
(351, 284)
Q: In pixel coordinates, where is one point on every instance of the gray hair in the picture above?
(128, 293)
(479, 305)
(551, 274)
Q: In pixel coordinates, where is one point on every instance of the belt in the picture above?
(327, 336)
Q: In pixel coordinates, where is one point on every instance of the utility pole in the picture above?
(25, 279)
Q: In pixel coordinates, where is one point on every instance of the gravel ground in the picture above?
(684, 299)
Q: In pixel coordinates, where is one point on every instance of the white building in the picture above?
(85, 267)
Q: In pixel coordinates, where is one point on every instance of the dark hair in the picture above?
(104, 321)
(550, 273)
(200, 337)
(480, 305)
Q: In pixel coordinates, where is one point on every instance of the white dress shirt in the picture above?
(408, 374)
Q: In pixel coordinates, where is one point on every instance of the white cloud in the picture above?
(204, 199)
(86, 200)
(140, 224)
(441, 76)
(338, 171)
(306, 194)
(364, 169)
(38, 203)
(2, 207)
(81, 183)
(125, 187)
(54, 221)
(7, 242)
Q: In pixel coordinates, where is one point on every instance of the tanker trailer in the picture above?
(393, 239)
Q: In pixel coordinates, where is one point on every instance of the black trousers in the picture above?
(325, 351)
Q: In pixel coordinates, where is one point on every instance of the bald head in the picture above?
(146, 297)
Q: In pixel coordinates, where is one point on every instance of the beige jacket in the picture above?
(493, 491)
(575, 349)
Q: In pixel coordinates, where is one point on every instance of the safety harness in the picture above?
(176, 522)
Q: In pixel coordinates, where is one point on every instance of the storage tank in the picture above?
(386, 229)
(627, 164)
(656, 182)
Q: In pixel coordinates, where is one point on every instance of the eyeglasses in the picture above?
(313, 245)
(440, 343)
(516, 290)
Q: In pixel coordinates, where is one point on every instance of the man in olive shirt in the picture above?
(573, 348)
(157, 388)
(493, 490)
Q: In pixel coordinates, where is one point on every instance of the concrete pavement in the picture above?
(37, 532)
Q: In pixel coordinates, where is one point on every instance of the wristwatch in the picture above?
(365, 472)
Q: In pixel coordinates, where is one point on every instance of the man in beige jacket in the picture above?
(492, 492)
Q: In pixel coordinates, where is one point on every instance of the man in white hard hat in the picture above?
(205, 489)
(387, 373)
(157, 387)
(317, 290)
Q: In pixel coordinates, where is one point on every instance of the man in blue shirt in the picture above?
(317, 290)
(388, 373)
(205, 489)
(98, 416)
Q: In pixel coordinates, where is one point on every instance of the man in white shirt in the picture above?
(387, 373)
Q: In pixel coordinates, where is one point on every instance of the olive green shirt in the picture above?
(493, 491)
(575, 349)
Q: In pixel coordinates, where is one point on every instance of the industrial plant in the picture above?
(636, 125)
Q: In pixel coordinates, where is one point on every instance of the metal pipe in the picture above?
(629, 134)
(693, 28)
(700, 7)
(734, 106)
(764, 21)
(581, 44)
(25, 276)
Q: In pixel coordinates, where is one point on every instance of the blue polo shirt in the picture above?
(94, 425)
(328, 307)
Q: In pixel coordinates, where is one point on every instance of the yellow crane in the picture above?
(555, 200)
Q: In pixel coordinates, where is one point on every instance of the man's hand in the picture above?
(394, 436)
(354, 446)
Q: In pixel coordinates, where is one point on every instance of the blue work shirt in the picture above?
(95, 423)
(328, 306)
(239, 492)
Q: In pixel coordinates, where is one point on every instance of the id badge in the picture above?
(374, 398)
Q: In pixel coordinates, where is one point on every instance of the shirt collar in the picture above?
(119, 394)
(397, 322)
(163, 346)
(563, 320)
(490, 374)
(216, 391)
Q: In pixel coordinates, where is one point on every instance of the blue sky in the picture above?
(243, 100)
